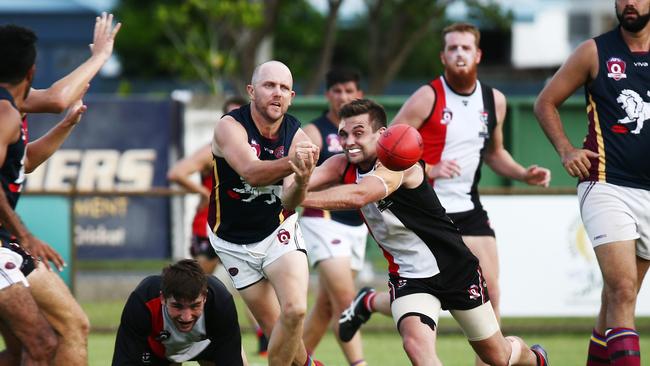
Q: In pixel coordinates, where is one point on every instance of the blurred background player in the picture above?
(181, 315)
(263, 162)
(336, 240)
(200, 248)
(48, 289)
(612, 167)
(430, 268)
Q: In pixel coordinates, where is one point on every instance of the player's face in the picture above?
(185, 313)
(461, 57)
(339, 94)
(272, 93)
(359, 141)
(633, 15)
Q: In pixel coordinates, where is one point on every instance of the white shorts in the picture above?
(613, 213)
(10, 272)
(245, 263)
(327, 238)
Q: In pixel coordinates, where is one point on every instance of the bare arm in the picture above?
(230, 141)
(500, 160)
(579, 69)
(41, 149)
(328, 173)
(181, 171)
(414, 112)
(9, 133)
(314, 135)
(354, 196)
(71, 87)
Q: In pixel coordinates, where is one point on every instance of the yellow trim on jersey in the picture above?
(327, 215)
(281, 216)
(217, 205)
(599, 140)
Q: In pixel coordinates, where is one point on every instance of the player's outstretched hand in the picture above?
(446, 169)
(537, 176)
(576, 162)
(104, 36)
(43, 252)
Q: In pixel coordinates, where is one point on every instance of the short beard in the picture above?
(462, 81)
(633, 26)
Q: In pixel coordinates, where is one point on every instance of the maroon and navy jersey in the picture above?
(331, 146)
(147, 336)
(12, 172)
(200, 222)
(414, 233)
(618, 105)
(459, 128)
(238, 212)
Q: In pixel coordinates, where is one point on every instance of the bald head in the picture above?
(273, 68)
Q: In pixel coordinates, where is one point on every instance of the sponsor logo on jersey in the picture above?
(401, 283)
(447, 116)
(284, 236)
(637, 110)
(616, 69)
(641, 64)
(474, 292)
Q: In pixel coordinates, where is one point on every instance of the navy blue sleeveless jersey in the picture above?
(12, 172)
(618, 105)
(330, 147)
(238, 212)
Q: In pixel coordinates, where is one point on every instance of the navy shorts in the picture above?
(472, 223)
(201, 246)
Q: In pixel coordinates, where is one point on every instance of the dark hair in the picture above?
(236, 99)
(462, 28)
(341, 75)
(183, 280)
(375, 111)
(18, 50)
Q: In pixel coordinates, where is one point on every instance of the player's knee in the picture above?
(622, 291)
(414, 346)
(496, 357)
(293, 313)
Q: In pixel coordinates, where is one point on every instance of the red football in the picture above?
(399, 147)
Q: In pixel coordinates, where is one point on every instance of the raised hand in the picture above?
(104, 36)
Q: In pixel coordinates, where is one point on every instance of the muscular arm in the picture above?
(181, 171)
(230, 141)
(314, 135)
(354, 196)
(41, 149)
(579, 69)
(71, 87)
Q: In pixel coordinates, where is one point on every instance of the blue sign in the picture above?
(120, 147)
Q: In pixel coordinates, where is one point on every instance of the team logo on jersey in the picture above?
(256, 147)
(278, 152)
(336, 241)
(284, 236)
(233, 271)
(637, 110)
(163, 335)
(474, 292)
(483, 131)
(616, 69)
(146, 358)
(401, 283)
(10, 265)
(333, 143)
(447, 116)
(271, 193)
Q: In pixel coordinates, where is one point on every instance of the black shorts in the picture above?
(472, 223)
(463, 292)
(29, 263)
(201, 246)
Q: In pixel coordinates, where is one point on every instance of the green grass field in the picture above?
(564, 338)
